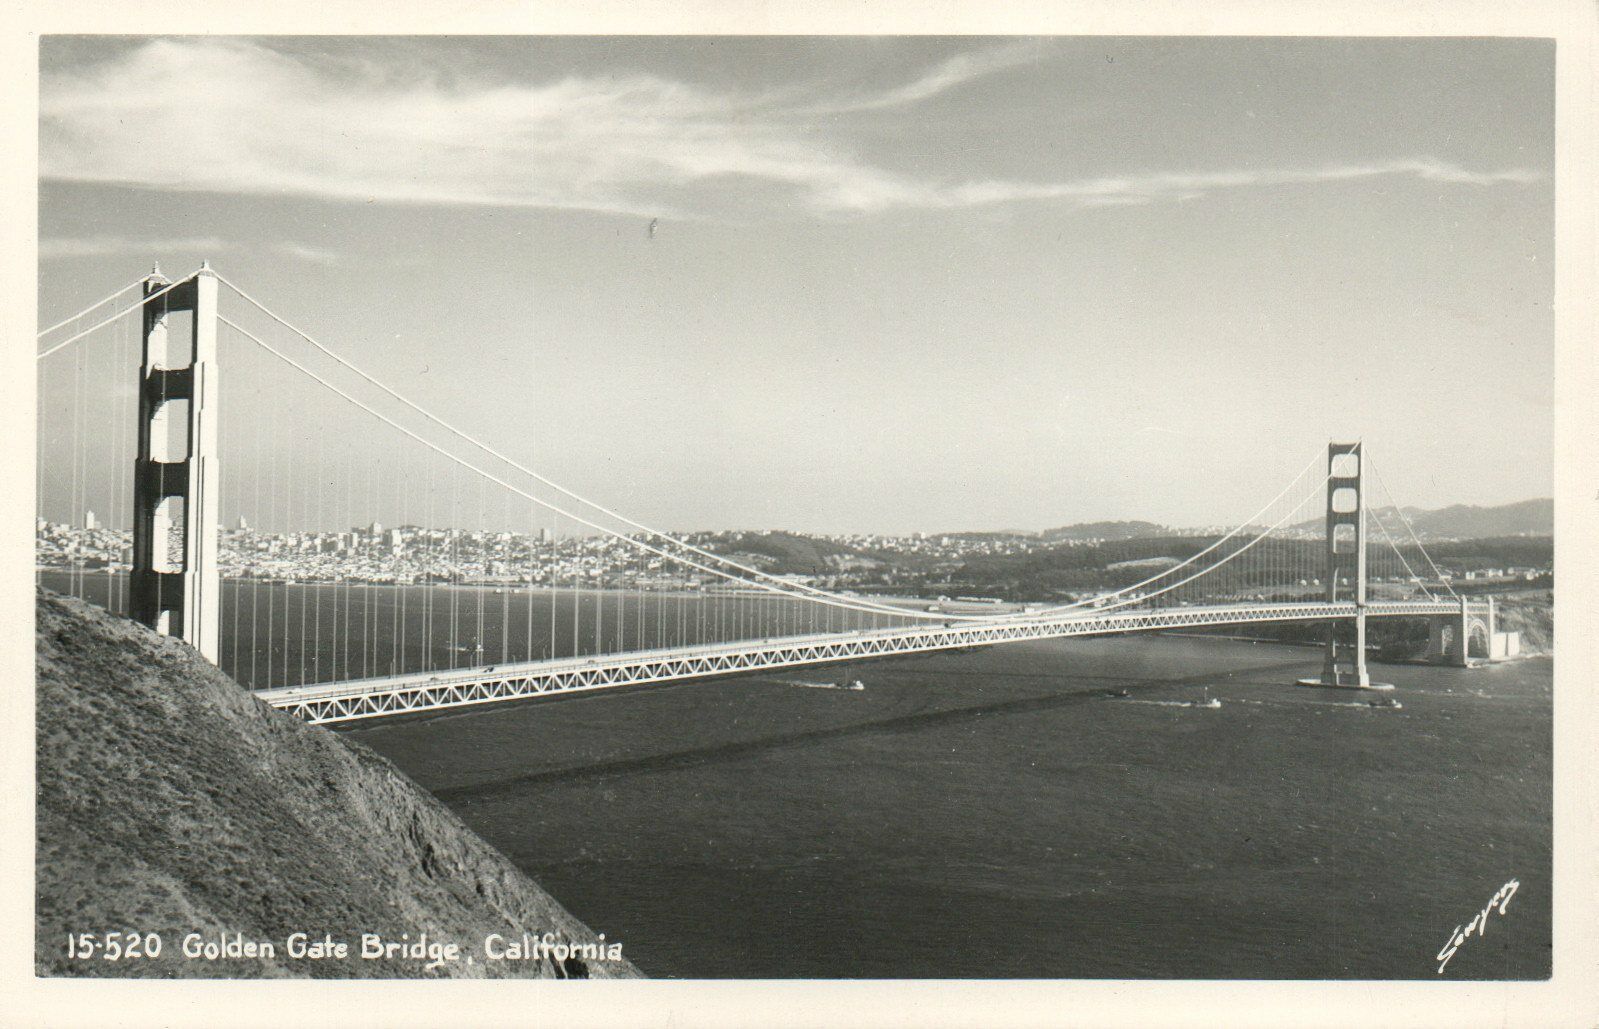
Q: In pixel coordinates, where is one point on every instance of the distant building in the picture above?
(90, 522)
(546, 535)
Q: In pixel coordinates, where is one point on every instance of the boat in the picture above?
(1117, 693)
(1385, 702)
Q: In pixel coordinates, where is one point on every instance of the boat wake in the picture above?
(855, 685)
(1316, 703)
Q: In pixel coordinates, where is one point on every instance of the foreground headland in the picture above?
(184, 829)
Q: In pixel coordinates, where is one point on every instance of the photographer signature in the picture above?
(1479, 924)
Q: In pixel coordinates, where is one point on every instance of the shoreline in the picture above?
(516, 590)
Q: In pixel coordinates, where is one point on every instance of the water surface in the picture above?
(995, 813)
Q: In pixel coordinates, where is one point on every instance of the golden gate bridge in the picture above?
(237, 458)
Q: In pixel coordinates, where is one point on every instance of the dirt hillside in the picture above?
(170, 801)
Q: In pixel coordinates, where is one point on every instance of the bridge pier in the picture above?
(1345, 664)
(1449, 636)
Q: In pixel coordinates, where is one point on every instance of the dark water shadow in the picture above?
(725, 752)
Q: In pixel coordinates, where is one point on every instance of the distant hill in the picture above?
(987, 535)
(170, 800)
(787, 553)
(1458, 521)
(1468, 521)
(1465, 521)
(1121, 530)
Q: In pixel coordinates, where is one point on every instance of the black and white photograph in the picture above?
(774, 506)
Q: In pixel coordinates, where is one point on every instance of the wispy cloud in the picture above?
(1189, 186)
(52, 247)
(950, 74)
(61, 247)
(234, 116)
(314, 255)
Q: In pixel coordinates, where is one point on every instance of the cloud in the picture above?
(954, 72)
(234, 116)
(313, 255)
(1188, 186)
(55, 247)
(60, 247)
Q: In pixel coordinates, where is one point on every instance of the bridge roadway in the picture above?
(430, 691)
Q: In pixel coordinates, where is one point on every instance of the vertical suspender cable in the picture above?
(321, 582)
(453, 530)
(533, 520)
(299, 576)
(505, 576)
(255, 573)
(577, 591)
(75, 562)
(45, 433)
(399, 660)
(352, 538)
(272, 512)
(554, 559)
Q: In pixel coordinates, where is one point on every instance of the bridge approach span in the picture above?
(431, 691)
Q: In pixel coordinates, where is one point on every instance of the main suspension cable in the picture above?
(1206, 571)
(789, 587)
(822, 599)
(1178, 567)
(163, 291)
(1442, 581)
(97, 304)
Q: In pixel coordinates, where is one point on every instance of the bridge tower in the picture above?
(176, 584)
(1345, 665)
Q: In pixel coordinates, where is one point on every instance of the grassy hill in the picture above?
(1531, 613)
(1469, 521)
(787, 553)
(1117, 530)
(172, 801)
(1053, 571)
(1489, 552)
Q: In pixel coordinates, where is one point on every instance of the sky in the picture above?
(870, 284)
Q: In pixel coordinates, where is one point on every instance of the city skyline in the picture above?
(91, 519)
(873, 285)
